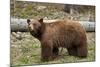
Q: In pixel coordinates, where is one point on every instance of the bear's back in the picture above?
(64, 25)
(64, 32)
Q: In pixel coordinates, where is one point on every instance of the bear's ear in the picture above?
(28, 20)
(41, 20)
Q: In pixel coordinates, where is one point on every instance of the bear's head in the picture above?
(34, 26)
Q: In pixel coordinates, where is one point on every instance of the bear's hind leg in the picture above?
(82, 51)
(72, 51)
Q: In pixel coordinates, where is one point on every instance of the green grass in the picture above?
(28, 51)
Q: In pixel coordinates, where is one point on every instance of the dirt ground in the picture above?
(26, 50)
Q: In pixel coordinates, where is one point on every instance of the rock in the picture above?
(45, 18)
(18, 35)
(13, 33)
(14, 46)
(41, 8)
(25, 5)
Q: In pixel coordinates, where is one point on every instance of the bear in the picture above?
(63, 33)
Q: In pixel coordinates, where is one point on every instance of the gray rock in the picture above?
(41, 8)
(18, 35)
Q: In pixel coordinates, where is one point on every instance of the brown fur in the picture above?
(62, 33)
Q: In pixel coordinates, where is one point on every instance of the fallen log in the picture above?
(21, 25)
(89, 26)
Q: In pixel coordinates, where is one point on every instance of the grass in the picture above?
(28, 51)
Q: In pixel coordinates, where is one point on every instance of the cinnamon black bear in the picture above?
(62, 33)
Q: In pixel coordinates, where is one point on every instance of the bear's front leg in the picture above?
(46, 51)
(55, 52)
